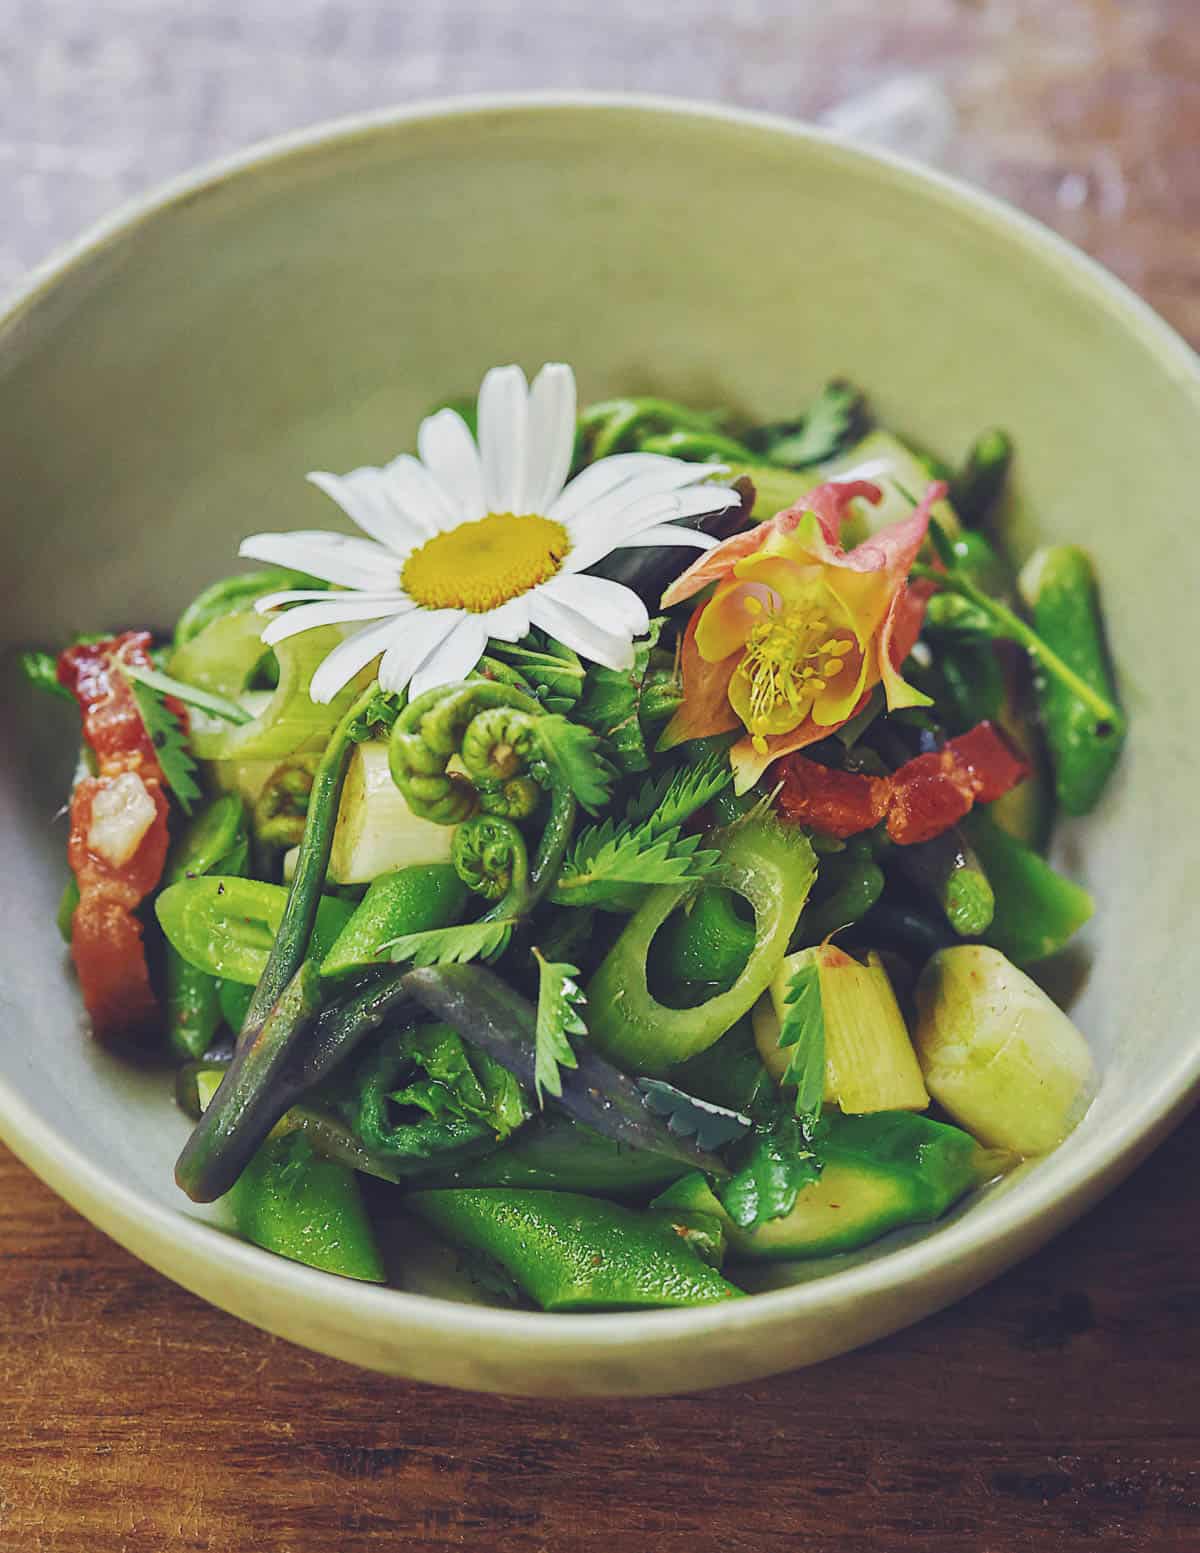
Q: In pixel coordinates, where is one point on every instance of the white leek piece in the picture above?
(376, 830)
(870, 1064)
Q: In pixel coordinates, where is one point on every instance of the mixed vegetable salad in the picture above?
(629, 847)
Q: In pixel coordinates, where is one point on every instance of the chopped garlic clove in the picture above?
(122, 812)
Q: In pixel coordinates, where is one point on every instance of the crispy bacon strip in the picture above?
(106, 937)
(919, 801)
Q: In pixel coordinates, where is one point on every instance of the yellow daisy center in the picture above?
(479, 566)
(791, 655)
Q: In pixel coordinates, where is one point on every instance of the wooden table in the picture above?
(1053, 1411)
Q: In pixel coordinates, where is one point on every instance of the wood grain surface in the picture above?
(1054, 1411)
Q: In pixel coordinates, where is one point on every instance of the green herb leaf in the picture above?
(376, 719)
(835, 417)
(453, 945)
(191, 695)
(558, 1018)
(574, 753)
(941, 543)
(41, 670)
(803, 1030)
(774, 1163)
(553, 672)
(668, 800)
(607, 860)
(612, 704)
(712, 1126)
(163, 731)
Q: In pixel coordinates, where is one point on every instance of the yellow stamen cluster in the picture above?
(479, 566)
(789, 659)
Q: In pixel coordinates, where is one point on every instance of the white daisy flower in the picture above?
(476, 540)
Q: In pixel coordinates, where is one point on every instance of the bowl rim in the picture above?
(1046, 1200)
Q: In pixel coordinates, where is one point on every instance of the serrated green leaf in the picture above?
(833, 419)
(453, 945)
(687, 1116)
(573, 751)
(41, 669)
(803, 1030)
(612, 703)
(558, 1018)
(163, 731)
(607, 860)
(668, 800)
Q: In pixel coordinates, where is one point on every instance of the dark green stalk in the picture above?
(295, 929)
(1012, 626)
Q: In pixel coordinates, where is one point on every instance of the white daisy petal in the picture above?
(417, 493)
(611, 605)
(503, 434)
(350, 607)
(510, 622)
(592, 540)
(551, 441)
(625, 477)
(668, 534)
(415, 638)
(448, 451)
(338, 558)
(269, 601)
(575, 630)
(453, 659)
(361, 497)
(601, 477)
(345, 661)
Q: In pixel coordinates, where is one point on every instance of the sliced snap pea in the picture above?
(309, 1209)
(575, 1253)
(1037, 910)
(226, 926)
(1058, 585)
(410, 900)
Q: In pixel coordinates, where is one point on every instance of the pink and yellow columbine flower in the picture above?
(798, 631)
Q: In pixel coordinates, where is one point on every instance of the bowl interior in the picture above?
(165, 392)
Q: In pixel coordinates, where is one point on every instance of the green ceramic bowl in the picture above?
(165, 385)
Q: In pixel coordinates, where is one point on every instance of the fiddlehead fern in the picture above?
(281, 808)
(441, 724)
(489, 856)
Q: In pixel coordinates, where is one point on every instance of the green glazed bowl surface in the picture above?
(166, 384)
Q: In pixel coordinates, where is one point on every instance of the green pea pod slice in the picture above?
(575, 1253)
(309, 1209)
(226, 925)
(410, 900)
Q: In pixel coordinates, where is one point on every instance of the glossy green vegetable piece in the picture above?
(410, 900)
(291, 1201)
(67, 902)
(773, 867)
(556, 1153)
(706, 941)
(879, 1172)
(569, 1252)
(231, 595)
(979, 485)
(1059, 587)
(214, 838)
(1036, 909)
(226, 926)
